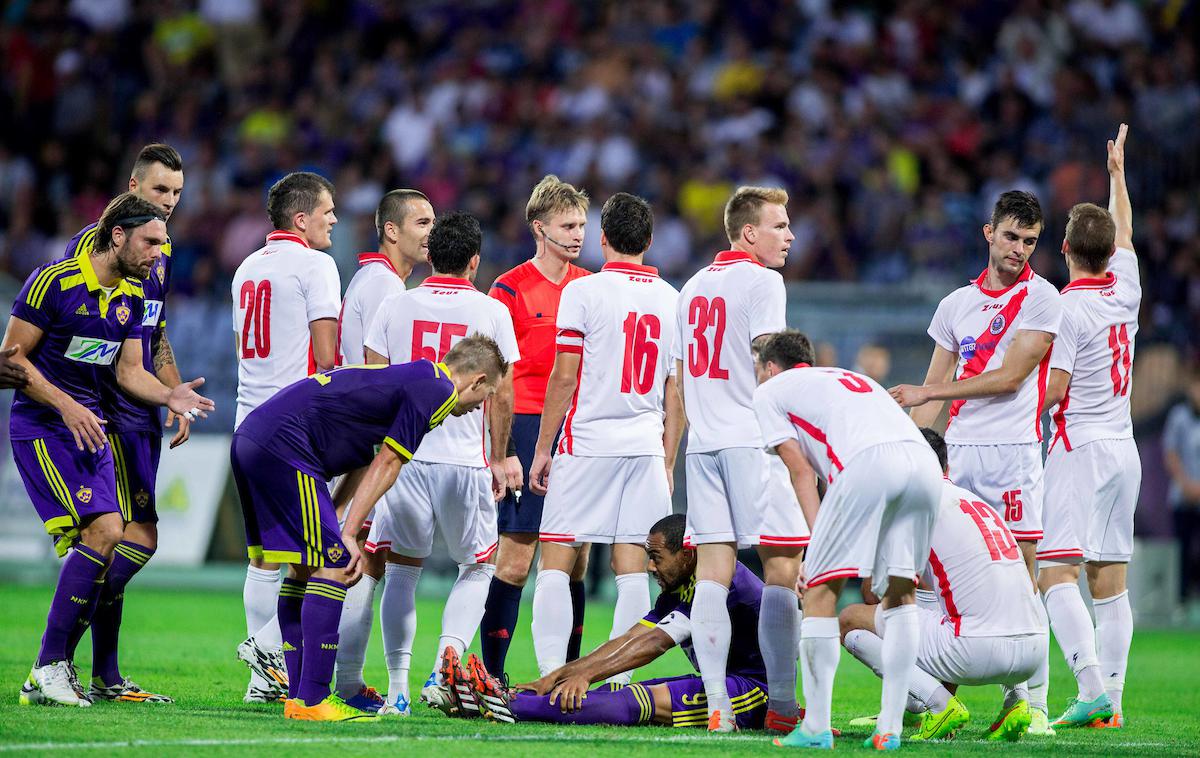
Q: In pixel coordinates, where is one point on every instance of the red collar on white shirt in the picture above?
(802, 365)
(735, 256)
(630, 268)
(365, 258)
(1026, 275)
(1097, 282)
(281, 236)
(448, 282)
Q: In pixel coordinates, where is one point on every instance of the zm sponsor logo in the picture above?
(151, 313)
(92, 350)
(123, 314)
(84, 494)
(335, 553)
(998, 323)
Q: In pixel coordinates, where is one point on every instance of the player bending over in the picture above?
(989, 628)
(875, 521)
(562, 696)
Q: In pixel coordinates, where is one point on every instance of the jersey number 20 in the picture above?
(255, 300)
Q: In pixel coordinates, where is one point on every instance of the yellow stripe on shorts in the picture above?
(122, 477)
(54, 478)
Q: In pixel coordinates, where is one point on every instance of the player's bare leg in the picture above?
(551, 625)
(715, 564)
(779, 632)
(1114, 630)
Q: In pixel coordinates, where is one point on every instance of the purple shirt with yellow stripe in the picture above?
(332, 422)
(83, 328)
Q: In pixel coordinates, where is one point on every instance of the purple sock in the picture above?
(578, 603)
(323, 600)
(500, 614)
(128, 559)
(291, 600)
(74, 600)
(627, 706)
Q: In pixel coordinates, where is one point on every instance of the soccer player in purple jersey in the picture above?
(562, 696)
(75, 322)
(334, 423)
(135, 433)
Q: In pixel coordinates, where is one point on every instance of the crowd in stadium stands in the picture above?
(893, 130)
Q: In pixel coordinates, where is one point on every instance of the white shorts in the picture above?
(607, 500)
(976, 660)
(1091, 494)
(740, 495)
(455, 499)
(877, 517)
(1008, 478)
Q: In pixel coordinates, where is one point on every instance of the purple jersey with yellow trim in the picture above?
(124, 412)
(672, 613)
(83, 327)
(331, 422)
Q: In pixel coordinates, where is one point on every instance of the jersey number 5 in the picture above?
(702, 314)
(448, 335)
(641, 353)
(255, 300)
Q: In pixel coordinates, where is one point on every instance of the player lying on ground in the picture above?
(562, 696)
(989, 628)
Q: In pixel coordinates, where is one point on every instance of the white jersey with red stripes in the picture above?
(277, 291)
(977, 571)
(978, 325)
(1095, 347)
(621, 322)
(375, 279)
(834, 414)
(721, 310)
(425, 322)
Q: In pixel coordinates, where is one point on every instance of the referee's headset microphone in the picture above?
(551, 239)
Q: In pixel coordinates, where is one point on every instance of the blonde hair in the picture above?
(552, 195)
(745, 207)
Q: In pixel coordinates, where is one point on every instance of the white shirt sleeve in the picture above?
(506, 336)
(376, 336)
(941, 328)
(772, 420)
(322, 288)
(572, 308)
(769, 314)
(1043, 312)
(681, 320)
(1066, 345)
(677, 625)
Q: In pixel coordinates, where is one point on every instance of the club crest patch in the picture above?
(161, 271)
(142, 498)
(123, 314)
(998, 324)
(84, 494)
(335, 553)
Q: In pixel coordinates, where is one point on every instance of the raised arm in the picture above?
(1118, 193)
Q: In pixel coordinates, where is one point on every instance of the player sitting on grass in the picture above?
(562, 696)
(990, 629)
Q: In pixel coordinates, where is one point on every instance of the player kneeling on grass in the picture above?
(562, 696)
(330, 424)
(989, 628)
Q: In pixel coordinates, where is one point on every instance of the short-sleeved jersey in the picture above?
(332, 423)
(277, 292)
(124, 412)
(375, 279)
(621, 322)
(720, 311)
(532, 302)
(978, 325)
(426, 322)
(834, 414)
(83, 328)
(673, 610)
(977, 571)
(1095, 347)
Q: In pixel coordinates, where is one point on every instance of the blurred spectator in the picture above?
(874, 361)
(1181, 446)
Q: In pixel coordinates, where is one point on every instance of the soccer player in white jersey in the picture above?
(613, 395)
(875, 521)
(286, 298)
(1093, 472)
(735, 499)
(448, 484)
(989, 627)
(403, 220)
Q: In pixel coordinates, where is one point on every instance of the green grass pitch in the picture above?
(182, 643)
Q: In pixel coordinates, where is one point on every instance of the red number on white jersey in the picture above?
(1014, 509)
(256, 301)
(854, 383)
(448, 335)
(702, 314)
(1122, 366)
(999, 540)
(641, 353)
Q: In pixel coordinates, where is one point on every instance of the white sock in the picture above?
(1072, 626)
(260, 597)
(551, 623)
(868, 649)
(899, 653)
(818, 665)
(398, 622)
(1038, 685)
(269, 637)
(1015, 693)
(633, 603)
(711, 631)
(464, 607)
(354, 631)
(778, 638)
(1114, 635)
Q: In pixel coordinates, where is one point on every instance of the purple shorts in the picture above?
(289, 514)
(689, 704)
(67, 487)
(135, 458)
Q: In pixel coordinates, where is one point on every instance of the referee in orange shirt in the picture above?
(556, 214)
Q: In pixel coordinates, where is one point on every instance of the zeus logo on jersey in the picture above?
(92, 350)
(152, 312)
